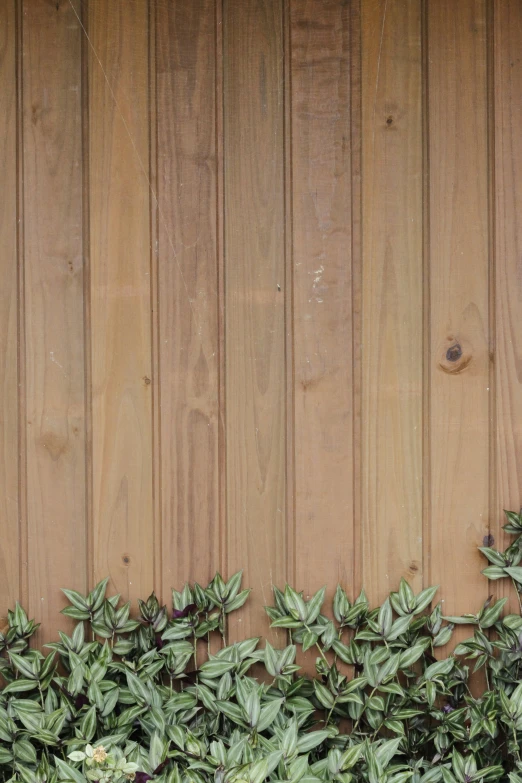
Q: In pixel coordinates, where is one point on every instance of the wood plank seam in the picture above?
(221, 286)
(89, 532)
(290, 482)
(154, 217)
(426, 343)
(356, 253)
(22, 401)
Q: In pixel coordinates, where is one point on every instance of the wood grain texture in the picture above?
(120, 295)
(9, 475)
(507, 27)
(356, 83)
(321, 190)
(188, 291)
(262, 277)
(459, 280)
(53, 292)
(392, 313)
(254, 300)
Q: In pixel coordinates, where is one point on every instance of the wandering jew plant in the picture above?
(162, 697)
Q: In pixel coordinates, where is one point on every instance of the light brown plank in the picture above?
(120, 295)
(9, 507)
(254, 298)
(322, 283)
(508, 266)
(392, 296)
(188, 285)
(458, 270)
(53, 291)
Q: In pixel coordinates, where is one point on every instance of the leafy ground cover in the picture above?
(145, 698)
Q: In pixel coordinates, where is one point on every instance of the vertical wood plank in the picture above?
(9, 512)
(220, 248)
(320, 34)
(120, 295)
(356, 278)
(391, 295)
(507, 27)
(155, 10)
(53, 290)
(254, 299)
(459, 283)
(188, 291)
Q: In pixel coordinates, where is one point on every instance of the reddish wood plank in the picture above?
(9, 476)
(459, 283)
(53, 292)
(321, 189)
(392, 296)
(188, 291)
(508, 265)
(120, 295)
(254, 301)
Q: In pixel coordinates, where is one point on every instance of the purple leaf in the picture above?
(177, 614)
(159, 641)
(81, 701)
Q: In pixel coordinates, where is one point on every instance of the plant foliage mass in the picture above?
(163, 697)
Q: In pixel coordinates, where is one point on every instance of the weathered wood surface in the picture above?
(260, 293)
(52, 282)
(392, 296)
(119, 296)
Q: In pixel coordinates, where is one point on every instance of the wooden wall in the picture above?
(261, 289)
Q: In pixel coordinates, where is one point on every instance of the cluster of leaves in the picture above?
(162, 697)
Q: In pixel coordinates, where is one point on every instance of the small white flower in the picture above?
(100, 754)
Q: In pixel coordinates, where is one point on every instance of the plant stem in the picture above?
(224, 627)
(518, 594)
(377, 730)
(323, 656)
(517, 751)
(331, 711)
(321, 653)
(362, 713)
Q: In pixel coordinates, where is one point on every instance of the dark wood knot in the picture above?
(454, 353)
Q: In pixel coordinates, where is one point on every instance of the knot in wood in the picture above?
(454, 353)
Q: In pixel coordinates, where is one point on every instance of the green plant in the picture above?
(102, 766)
(128, 698)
